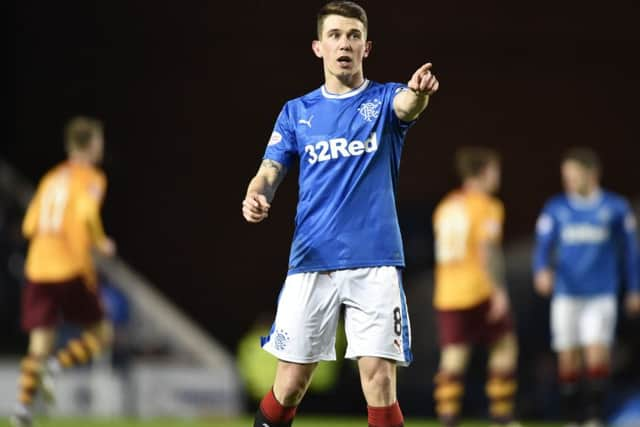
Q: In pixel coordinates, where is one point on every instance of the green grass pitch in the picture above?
(302, 421)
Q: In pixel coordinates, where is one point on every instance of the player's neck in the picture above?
(79, 159)
(474, 186)
(588, 193)
(339, 85)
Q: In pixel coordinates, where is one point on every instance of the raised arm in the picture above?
(261, 190)
(408, 104)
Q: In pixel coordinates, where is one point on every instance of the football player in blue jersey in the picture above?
(346, 254)
(586, 245)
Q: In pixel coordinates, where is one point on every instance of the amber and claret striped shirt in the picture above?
(63, 223)
(463, 222)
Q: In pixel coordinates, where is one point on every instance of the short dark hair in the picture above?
(348, 9)
(472, 161)
(585, 156)
(79, 132)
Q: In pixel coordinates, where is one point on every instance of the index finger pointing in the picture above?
(425, 67)
(420, 71)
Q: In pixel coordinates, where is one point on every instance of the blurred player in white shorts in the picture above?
(582, 321)
(347, 138)
(583, 237)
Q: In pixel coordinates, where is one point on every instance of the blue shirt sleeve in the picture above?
(282, 146)
(625, 228)
(546, 238)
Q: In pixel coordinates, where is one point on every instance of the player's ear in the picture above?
(367, 48)
(315, 46)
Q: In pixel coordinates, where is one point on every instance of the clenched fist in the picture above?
(255, 207)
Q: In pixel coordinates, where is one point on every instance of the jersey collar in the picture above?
(581, 202)
(349, 94)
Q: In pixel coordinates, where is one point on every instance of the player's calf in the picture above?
(78, 351)
(378, 380)
(279, 405)
(385, 416)
(272, 413)
(448, 392)
(570, 396)
(30, 373)
(501, 390)
(596, 382)
(501, 385)
(31, 369)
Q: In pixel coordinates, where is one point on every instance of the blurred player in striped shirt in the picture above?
(472, 304)
(63, 225)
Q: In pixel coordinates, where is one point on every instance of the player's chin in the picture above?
(343, 72)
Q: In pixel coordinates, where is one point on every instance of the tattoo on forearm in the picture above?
(272, 165)
(272, 173)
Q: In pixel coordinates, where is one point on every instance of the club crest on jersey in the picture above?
(370, 110)
(604, 215)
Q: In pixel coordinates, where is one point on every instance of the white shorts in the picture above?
(582, 321)
(375, 316)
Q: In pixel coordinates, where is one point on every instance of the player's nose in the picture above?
(344, 43)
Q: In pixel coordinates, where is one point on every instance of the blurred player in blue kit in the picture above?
(586, 245)
(347, 137)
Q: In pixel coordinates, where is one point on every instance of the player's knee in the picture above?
(41, 342)
(106, 334)
(290, 391)
(454, 360)
(597, 355)
(504, 355)
(103, 331)
(378, 380)
(569, 362)
(447, 393)
(291, 383)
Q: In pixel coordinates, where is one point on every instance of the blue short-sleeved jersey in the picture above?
(348, 147)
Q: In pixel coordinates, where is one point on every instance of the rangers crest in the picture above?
(370, 110)
(281, 339)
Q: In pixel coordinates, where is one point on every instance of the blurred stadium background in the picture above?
(189, 93)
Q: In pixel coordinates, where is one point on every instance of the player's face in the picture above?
(343, 45)
(576, 178)
(492, 177)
